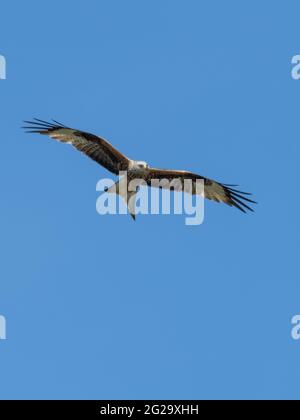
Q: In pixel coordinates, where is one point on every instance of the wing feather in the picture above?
(97, 148)
(213, 190)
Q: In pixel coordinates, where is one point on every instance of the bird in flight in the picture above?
(101, 151)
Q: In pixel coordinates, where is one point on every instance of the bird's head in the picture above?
(141, 165)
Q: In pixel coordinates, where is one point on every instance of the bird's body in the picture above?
(138, 167)
(101, 151)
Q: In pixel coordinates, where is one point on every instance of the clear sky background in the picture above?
(102, 307)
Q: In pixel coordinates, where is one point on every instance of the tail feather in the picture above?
(128, 196)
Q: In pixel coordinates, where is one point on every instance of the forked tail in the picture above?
(129, 197)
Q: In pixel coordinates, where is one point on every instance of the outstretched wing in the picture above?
(213, 190)
(97, 148)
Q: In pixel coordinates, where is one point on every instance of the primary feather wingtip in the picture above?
(237, 199)
(41, 126)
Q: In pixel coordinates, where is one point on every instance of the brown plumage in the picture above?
(101, 151)
(97, 148)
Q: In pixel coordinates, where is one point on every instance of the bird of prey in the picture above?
(101, 151)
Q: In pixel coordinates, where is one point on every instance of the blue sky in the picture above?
(101, 307)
